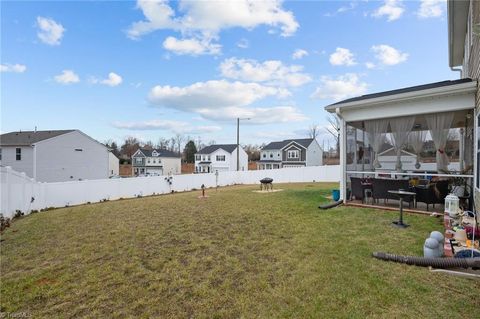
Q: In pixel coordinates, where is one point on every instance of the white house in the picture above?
(57, 156)
(156, 162)
(219, 158)
(434, 107)
(291, 153)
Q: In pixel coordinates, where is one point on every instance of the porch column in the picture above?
(343, 159)
(461, 149)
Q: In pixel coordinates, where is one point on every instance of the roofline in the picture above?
(467, 87)
(454, 27)
(220, 148)
(393, 148)
(296, 144)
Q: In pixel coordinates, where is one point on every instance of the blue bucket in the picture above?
(336, 194)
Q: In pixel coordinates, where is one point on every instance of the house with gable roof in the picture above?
(156, 162)
(220, 157)
(291, 153)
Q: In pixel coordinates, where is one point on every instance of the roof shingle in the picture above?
(24, 138)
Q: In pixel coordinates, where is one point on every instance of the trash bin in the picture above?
(336, 194)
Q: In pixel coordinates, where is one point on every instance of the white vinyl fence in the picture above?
(20, 193)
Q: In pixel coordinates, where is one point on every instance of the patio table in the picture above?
(401, 195)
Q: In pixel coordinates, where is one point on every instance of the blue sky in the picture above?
(153, 69)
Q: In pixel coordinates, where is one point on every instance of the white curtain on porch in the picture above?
(416, 139)
(439, 125)
(376, 132)
(401, 127)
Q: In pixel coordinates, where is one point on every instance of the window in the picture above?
(78, 150)
(148, 161)
(271, 155)
(0, 154)
(220, 158)
(293, 154)
(138, 160)
(198, 157)
(18, 154)
(264, 155)
(208, 157)
(154, 161)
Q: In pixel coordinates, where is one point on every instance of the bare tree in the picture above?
(313, 131)
(162, 143)
(129, 147)
(177, 142)
(334, 129)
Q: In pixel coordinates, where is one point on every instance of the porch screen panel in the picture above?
(401, 127)
(376, 132)
(439, 125)
(416, 139)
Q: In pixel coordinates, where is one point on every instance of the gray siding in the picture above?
(302, 157)
(472, 61)
(60, 159)
(25, 165)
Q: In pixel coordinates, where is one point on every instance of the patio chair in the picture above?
(433, 193)
(357, 189)
(381, 186)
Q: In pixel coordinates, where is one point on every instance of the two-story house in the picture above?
(220, 157)
(57, 156)
(156, 162)
(291, 153)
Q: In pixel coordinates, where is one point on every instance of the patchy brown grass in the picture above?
(235, 254)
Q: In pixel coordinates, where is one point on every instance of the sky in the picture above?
(152, 69)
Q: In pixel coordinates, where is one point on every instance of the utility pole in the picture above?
(238, 141)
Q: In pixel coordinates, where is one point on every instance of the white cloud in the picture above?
(393, 9)
(67, 77)
(205, 19)
(370, 65)
(212, 94)
(270, 72)
(167, 125)
(223, 101)
(15, 68)
(257, 115)
(191, 46)
(342, 56)
(340, 88)
(388, 55)
(113, 80)
(299, 53)
(50, 31)
(431, 8)
(243, 43)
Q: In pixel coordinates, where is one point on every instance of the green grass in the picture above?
(235, 254)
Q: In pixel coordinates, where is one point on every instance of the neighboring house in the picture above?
(291, 153)
(156, 162)
(57, 156)
(221, 157)
(388, 159)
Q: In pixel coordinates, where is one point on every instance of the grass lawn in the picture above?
(235, 254)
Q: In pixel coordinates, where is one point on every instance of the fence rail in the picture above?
(20, 193)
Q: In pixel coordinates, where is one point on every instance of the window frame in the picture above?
(290, 152)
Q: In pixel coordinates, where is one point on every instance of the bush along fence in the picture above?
(22, 195)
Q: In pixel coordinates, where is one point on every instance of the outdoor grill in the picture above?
(266, 183)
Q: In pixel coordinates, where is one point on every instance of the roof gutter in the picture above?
(469, 87)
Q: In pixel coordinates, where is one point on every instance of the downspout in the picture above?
(342, 155)
(457, 70)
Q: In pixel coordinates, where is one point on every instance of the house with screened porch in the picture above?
(412, 117)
